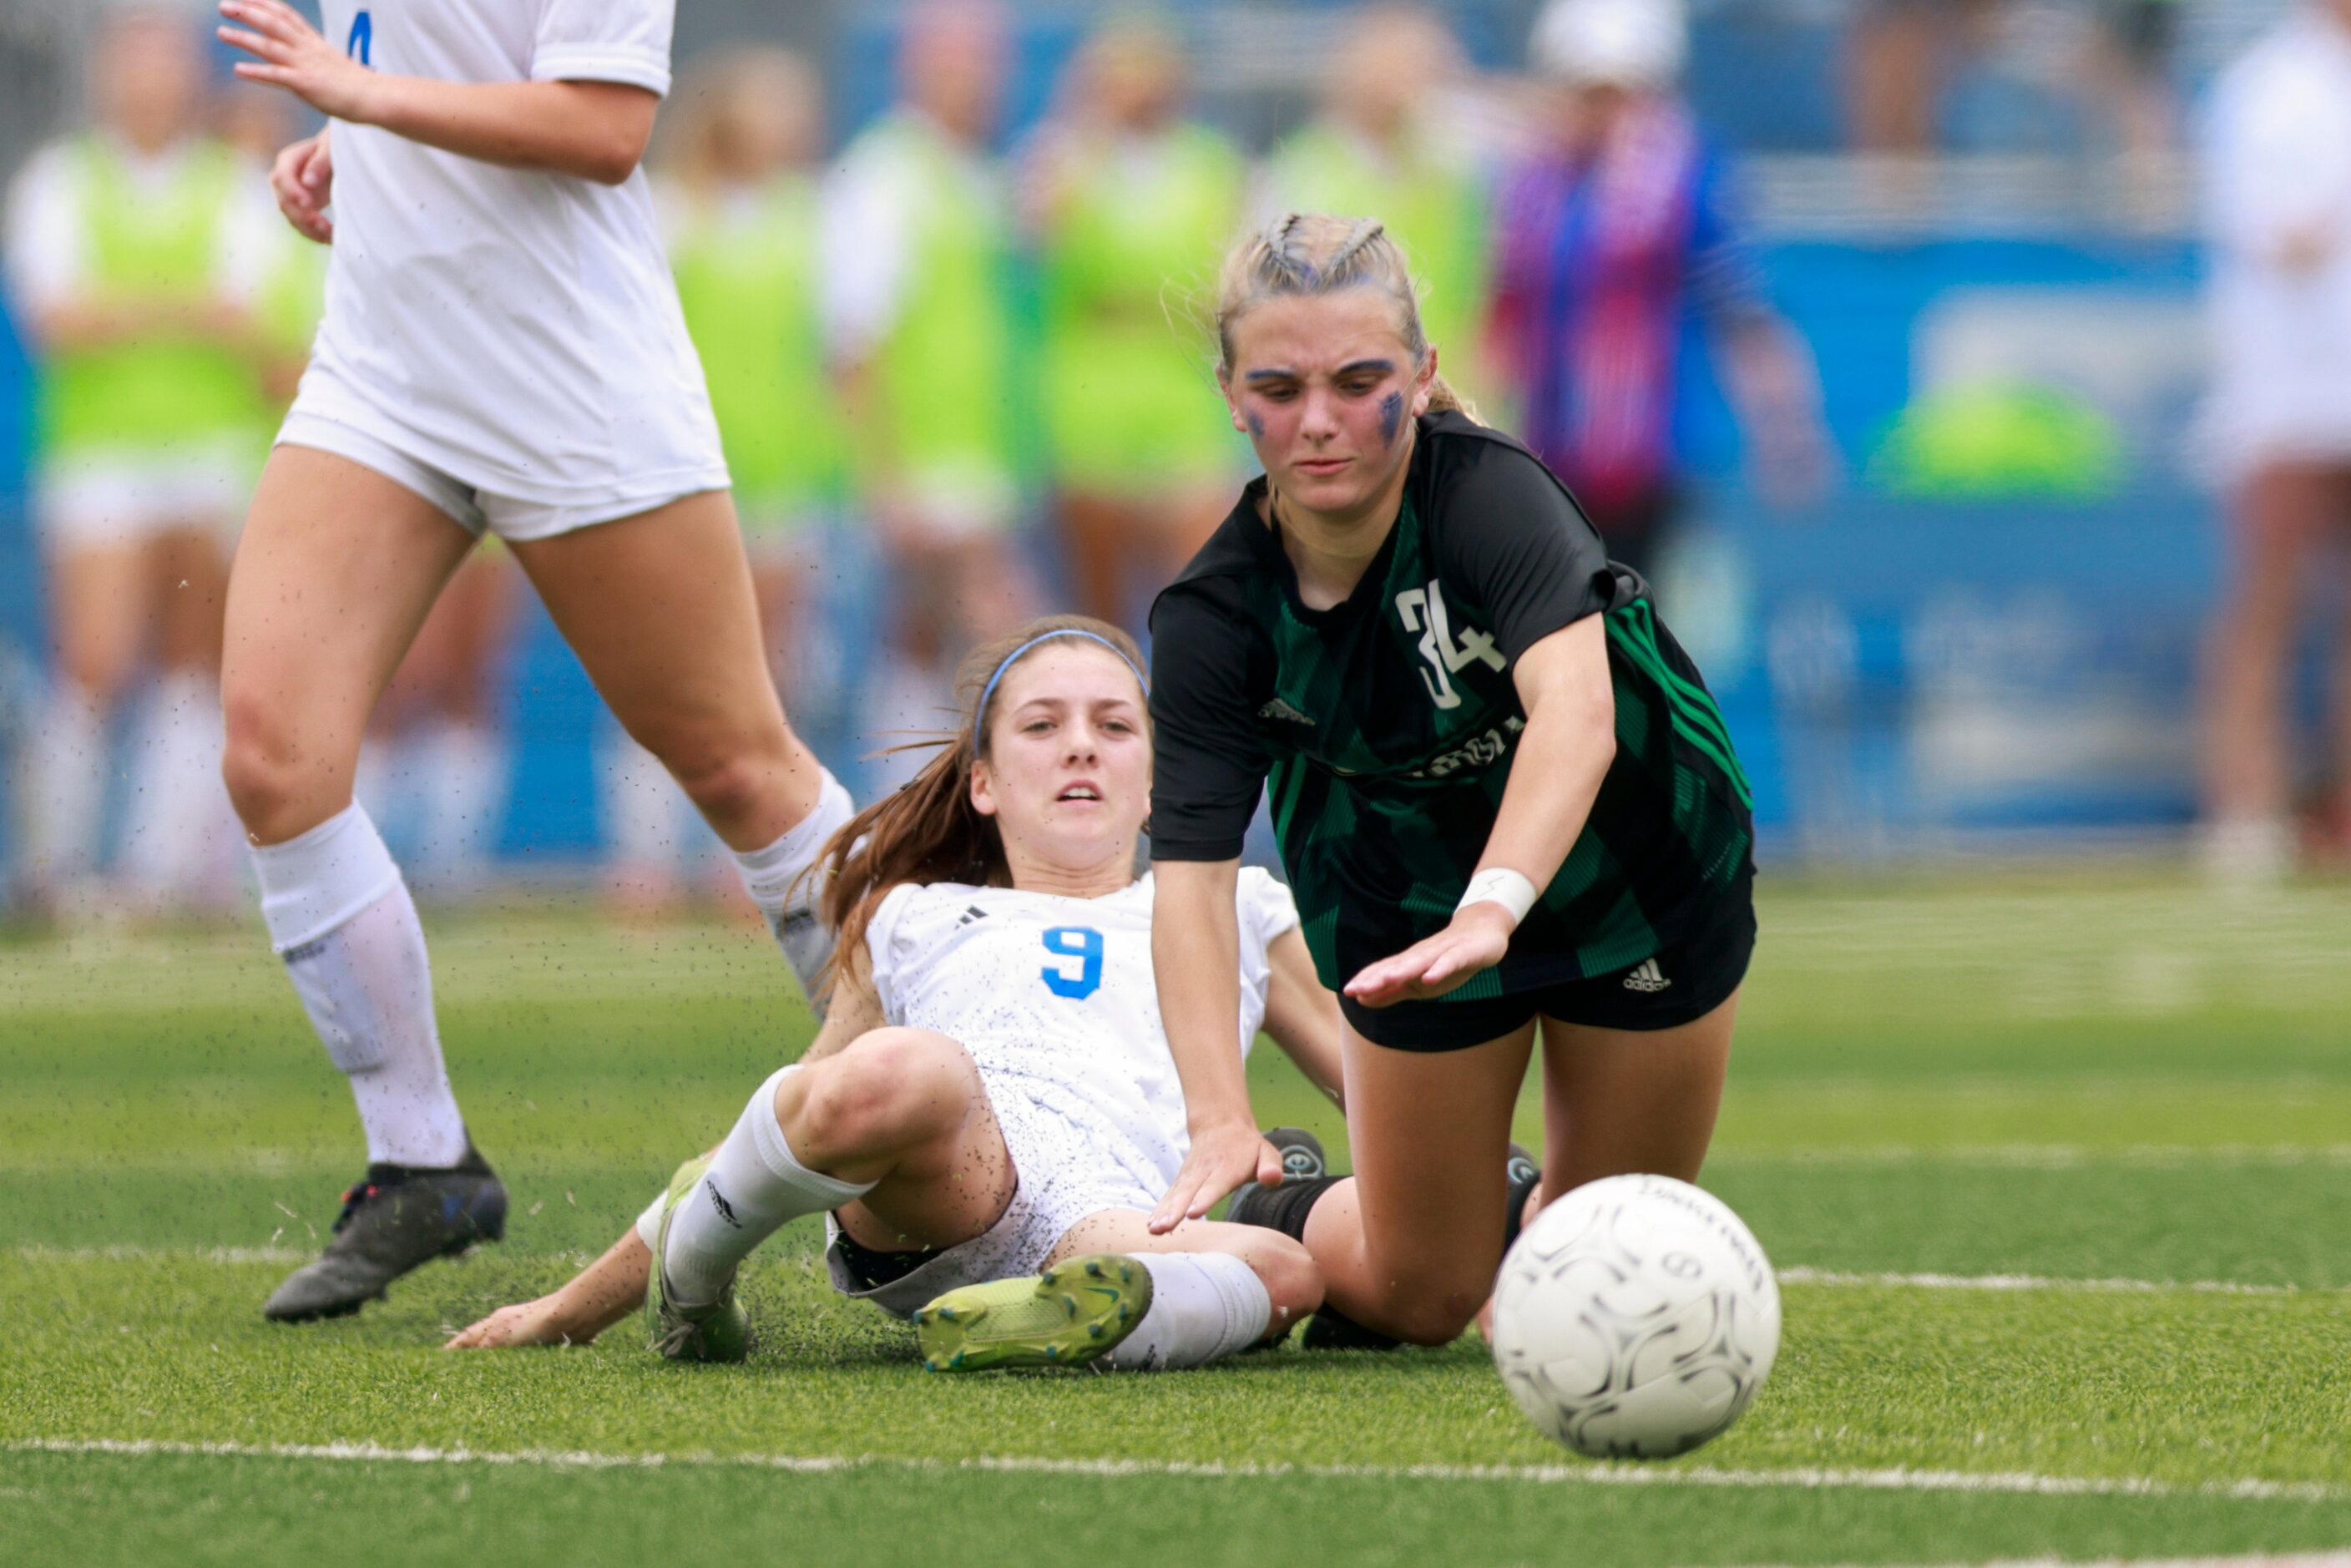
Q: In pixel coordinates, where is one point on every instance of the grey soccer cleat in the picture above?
(720, 1331)
(399, 1218)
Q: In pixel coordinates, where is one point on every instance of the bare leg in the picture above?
(2281, 514)
(1409, 1247)
(659, 607)
(1618, 1101)
(334, 574)
(99, 598)
(906, 1110)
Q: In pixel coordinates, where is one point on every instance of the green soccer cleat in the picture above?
(719, 1331)
(1072, 1314)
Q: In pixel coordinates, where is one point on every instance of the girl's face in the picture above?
(1326, 391)
(1067, 773)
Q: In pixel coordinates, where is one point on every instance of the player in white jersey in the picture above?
(992, 1091)
(502, 350)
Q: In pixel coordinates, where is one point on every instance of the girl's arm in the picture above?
(1563, 753)
(1195, 946)
(588, 129)
(1302, 1017)
(596, 1298)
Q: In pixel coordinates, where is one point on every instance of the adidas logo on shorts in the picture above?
(1277, 708)
(1646, 977)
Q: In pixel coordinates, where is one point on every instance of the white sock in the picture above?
(1205, 1306)
(342, 918)
(776, 880)
(462, 786)
(179, 807)
(65, 788)
(755, 1184)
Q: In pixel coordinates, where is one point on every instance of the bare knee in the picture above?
(1290, 1279)
(279, 787)
(889, 1090)
(1429, 1312)
(729, 777)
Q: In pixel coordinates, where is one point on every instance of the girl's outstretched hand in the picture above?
(1474, 941)
(289, 53)
(525, 1323)
(1222, 1157)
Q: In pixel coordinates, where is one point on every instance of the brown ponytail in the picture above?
(929, 831)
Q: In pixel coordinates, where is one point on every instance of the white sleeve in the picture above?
(43, 234)
(864, 247)
(884, 950)
(624, 41)
(1266, 908)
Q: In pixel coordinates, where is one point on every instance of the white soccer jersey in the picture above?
(517, 329)
(1055, 999)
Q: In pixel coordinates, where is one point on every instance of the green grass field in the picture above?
(2057, 1168)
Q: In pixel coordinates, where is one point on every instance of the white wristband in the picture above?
(1500, 885)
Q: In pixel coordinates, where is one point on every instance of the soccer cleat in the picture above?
(719, 1331)
(1072, 1314)
(1525, 1177)
(399, 1218)
(1302, 1159)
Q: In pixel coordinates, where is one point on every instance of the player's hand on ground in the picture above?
(1223, 1156)
(523, 1324)
(289, 53)
(303, 181)
(1474, 942)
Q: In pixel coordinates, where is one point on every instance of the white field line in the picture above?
(2290, 1560)
(36, 1252)
(1803, 1276)
(2019, 1483)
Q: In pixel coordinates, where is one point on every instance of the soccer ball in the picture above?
(1636, 1318)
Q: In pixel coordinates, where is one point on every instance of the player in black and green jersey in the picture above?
(1504, 798)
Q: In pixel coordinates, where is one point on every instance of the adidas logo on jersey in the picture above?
(972, 911)
(1277, 708)
(1646, 977)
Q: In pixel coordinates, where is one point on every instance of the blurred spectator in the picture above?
(2278, 184)
(1377, 148)
(136, 250)
(1610, 235)
(738, 193)
(1130, 206)
(2130, 74)
(1900, 57)
(918, 308)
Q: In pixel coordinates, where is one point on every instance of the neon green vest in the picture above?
(161, 391)
(1437, 213)
(747, 280)
(1130, 278)
(942, 373)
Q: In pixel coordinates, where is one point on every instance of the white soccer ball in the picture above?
(1636, 1318)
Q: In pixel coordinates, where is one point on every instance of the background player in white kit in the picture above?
(502, 350)
(992, 1091)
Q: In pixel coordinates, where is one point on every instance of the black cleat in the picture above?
(1302, 1159)
(1525, 1179)
(399, 1218)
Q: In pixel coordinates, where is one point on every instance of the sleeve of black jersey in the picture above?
(1209, 764)
(1515, 539)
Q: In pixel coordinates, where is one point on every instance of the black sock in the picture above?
(1284, 1208)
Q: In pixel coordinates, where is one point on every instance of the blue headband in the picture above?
(988, 692)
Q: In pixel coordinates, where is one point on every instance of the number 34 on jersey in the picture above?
(1421, 609)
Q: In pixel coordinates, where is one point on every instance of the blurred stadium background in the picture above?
(1980, 215)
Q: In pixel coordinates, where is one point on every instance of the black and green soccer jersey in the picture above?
(1383, 730)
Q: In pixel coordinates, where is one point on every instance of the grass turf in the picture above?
(2057, 1077)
